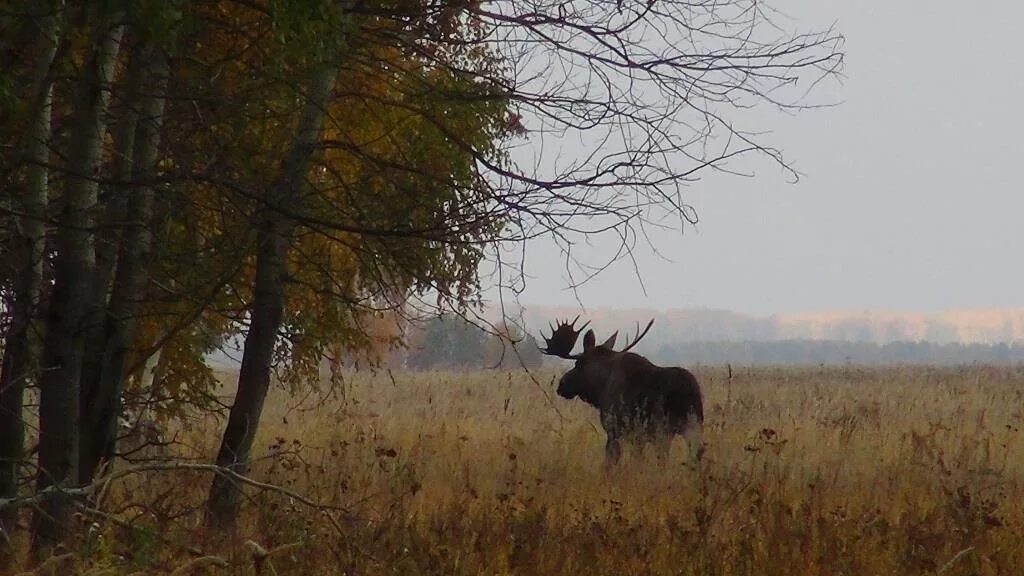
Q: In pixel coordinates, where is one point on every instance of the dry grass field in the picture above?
(808, 471)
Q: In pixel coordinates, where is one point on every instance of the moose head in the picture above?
(593, 364)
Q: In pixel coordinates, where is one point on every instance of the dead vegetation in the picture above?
(807, 471)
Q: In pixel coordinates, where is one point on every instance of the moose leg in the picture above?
(693, 432)
(612, 424)
(612, 451)
(662, 447)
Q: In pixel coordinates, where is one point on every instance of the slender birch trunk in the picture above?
(274, 237)
(101, 403)
(18, 358)
(74, 270)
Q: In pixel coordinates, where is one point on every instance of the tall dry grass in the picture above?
(808, 471)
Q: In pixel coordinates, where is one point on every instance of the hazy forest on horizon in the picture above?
(713, 337)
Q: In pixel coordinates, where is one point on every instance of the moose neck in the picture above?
(592, 395)
(596, 382)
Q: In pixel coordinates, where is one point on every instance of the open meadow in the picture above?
(848, 470)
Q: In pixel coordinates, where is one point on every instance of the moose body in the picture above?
(638, 401)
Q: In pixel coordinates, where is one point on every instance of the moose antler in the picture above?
(563, 339)
(639, 336)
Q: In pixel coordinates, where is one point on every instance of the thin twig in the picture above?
(954, 559)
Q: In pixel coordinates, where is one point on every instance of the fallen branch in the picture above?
(201, 561)
(102, 484)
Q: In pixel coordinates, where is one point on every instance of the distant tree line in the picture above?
(450, 342)
(702, 325)
(837, 352)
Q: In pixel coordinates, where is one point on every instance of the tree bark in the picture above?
(110, 232)
(74, 268)
(101, 395)
(274, 236)
(18, 366)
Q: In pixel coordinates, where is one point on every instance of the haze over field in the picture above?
(721, 336)
(696, 325)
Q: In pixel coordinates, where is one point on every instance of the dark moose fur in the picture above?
(639, 402)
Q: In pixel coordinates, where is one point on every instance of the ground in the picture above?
(808, 471)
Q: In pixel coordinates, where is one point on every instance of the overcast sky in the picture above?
(910, 198)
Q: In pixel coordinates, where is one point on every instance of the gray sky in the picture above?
(910, 198)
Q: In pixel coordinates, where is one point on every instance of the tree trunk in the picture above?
(101, 401)
(64, 343)
(274, 236)
(18, 366)
(108, 240)
(110, 232)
